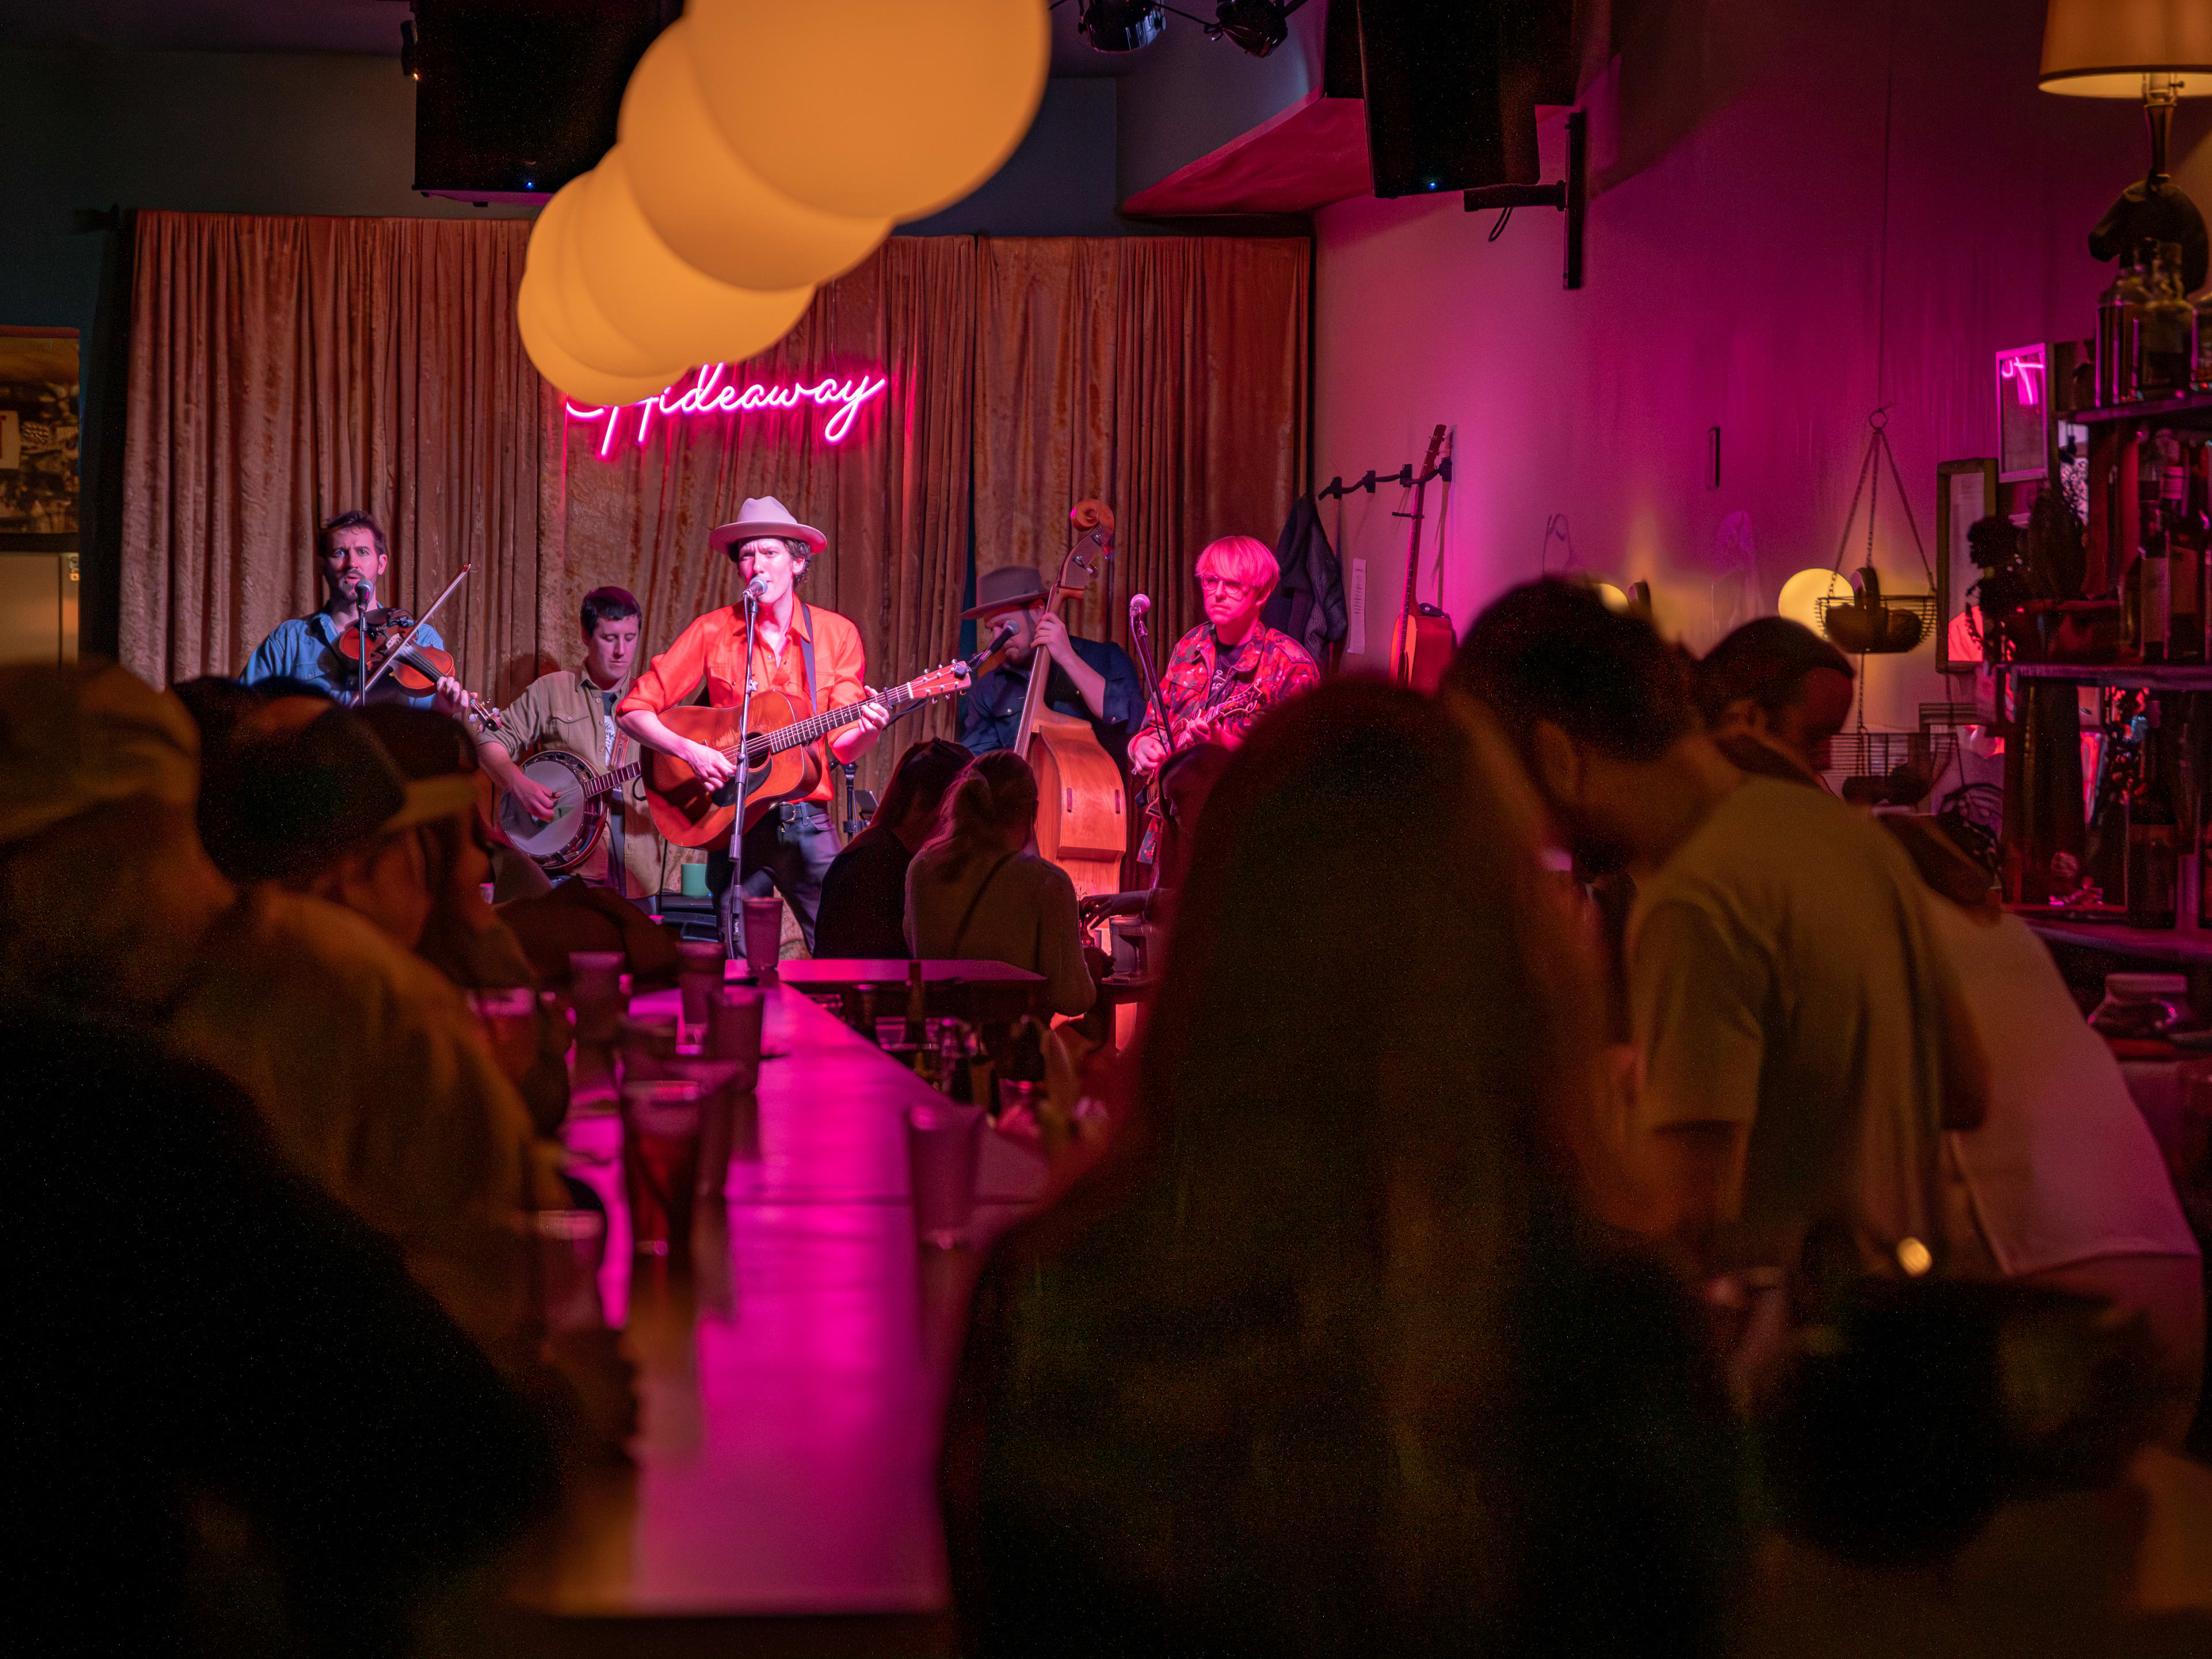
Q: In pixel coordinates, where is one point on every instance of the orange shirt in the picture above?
(712, 651)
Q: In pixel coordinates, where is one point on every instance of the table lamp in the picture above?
(2159, 51)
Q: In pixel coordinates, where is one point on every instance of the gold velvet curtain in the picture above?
(1165, 375)
(283, 370)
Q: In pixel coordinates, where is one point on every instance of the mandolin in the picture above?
(778, 755)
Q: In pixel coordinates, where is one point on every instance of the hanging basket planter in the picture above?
(1867, 624)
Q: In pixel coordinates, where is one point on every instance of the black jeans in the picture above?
(788, 852)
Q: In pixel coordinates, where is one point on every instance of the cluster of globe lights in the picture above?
(765, 147)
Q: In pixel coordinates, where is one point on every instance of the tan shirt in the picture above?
(1783, 975)
(565, 711)
(1026, 918)
(375, 1083)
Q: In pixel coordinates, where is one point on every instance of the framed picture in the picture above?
(1965, 491)
(38, 434)
(2023, 413)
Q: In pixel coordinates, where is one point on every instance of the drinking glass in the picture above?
(647, 1043)
(509, 1019)
(699, 975)
(763, 920)
(571, 1243)
(595, 988)
(660, 1163)
(944, 1142)
(717, 1082)
(734, 1031)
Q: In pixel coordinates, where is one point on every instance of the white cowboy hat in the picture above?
(764, 516)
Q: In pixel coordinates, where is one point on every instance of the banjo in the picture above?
(580, 792)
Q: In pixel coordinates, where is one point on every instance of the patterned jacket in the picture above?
(1272, 666)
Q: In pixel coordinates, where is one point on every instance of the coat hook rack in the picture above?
(1405, 477)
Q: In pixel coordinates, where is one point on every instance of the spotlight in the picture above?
(1258, 26)
(1120, 25)
(410, 62)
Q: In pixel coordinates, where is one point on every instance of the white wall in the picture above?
(1732, 279)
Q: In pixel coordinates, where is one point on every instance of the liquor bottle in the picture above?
(2115, 380)
(917, 1022)
(2166, 354)
(2135, 302)
(2153, 595)
(2154, 850)
(2186, 543)
(2200, 376)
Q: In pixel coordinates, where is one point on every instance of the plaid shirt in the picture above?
(1273, 663)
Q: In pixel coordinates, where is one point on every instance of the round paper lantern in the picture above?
(714, 212)
(578, 325)
(673, 311)
(872, 107)
(584, 385)
(1802, 593)
(1613, 599)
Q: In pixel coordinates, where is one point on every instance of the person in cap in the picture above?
(1774, 694)
(813, 657)
(1090, 680)
(350, 556)
(571, 710)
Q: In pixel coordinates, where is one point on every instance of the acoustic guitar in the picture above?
(778, 753)
(1422, 646)
(580, 792)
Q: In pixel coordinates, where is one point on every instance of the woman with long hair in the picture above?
(1320, 1357)
(974, 892)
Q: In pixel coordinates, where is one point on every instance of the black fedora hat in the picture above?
(1005, 588)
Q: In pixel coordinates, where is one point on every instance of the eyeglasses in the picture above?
(1223, 586)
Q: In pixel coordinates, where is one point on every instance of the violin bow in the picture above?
(408, 638)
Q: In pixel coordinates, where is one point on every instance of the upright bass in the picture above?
(1082, 818)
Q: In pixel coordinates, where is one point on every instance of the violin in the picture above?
(414, 666)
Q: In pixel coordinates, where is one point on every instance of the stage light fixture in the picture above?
(1257, 26)
(1120, 25)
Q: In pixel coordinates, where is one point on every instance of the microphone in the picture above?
(1005, 633)
(757, 589)
(1140, 605)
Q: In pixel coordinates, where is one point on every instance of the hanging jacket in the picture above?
(1308, 603)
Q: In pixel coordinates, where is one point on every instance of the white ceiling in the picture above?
(354, 25)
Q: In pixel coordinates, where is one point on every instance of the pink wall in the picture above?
(1731, 280)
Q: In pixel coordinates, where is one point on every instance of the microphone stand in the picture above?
(730, 897)
(1141, 638)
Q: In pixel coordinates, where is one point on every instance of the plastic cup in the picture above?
(763, 923)
(661, 1120)
(693, 878)
(733, 1030)
(647, 1044)
(595, 989)
(717, 1080)
(699, 975)
(944, 1143)
(571, 1243)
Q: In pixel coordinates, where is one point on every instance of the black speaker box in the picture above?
(514, 98)
(1452, 87)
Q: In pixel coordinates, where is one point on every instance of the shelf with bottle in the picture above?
(2153, 358)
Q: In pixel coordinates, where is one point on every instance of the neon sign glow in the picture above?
(2024, 369)
(712, 394)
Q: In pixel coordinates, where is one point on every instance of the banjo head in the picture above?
(563, 842)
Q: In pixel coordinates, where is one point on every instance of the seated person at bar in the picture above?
(862, 913)
(572, 711)
(350, 557)
(1092, 680)
(1316, 1359)
(1800, 1034)
(1774, 694)
(368, 1065)
(972, 893)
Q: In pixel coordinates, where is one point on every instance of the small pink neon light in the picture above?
(710, 395)
(2025, 371)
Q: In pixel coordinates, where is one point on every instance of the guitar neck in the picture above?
(615, 779)
(818, 726)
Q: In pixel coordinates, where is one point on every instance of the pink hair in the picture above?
(1243, 559)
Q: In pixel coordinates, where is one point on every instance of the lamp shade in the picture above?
(581, 382)
(714, 212)
(565, 306)
(2104, 48)
(1802, 594)
(872, 107)
(671, 310)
